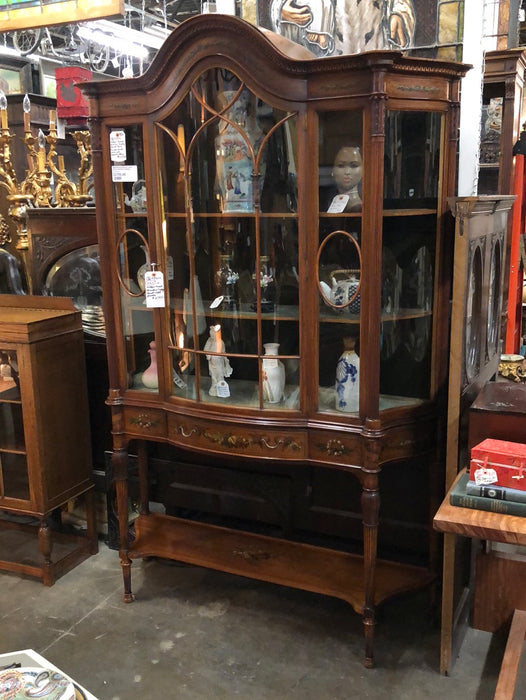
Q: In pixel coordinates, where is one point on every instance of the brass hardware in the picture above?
(181, 430)
(512, 367)
(279, 443)
(35, 190)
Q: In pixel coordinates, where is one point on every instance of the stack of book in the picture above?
(497, 499)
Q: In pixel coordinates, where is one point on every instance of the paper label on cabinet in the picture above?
(268, 364)
(338, 204)
(486, 476)
(124, 173)
(118, 145)
(223, 390)
(154, 289)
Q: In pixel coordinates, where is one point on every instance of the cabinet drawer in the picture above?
(336, 448)
(404, 442)
(236, 440)
(146, 422)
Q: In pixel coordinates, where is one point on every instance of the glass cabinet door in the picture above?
(14, 476)
(339, 260)
(228, 194)
(412, 171)
(134, 255)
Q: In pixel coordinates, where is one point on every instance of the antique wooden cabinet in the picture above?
(275, 264)
(44, 434)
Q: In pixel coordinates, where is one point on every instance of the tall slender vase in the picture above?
(149, 377)
(348, 378)
(273, 374)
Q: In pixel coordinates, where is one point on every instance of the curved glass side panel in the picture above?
(412, 169)
(412, 159)
(339, 260)
(137, 319)
(228, 192)
(134, 255)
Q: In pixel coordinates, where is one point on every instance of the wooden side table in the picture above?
(467, 522)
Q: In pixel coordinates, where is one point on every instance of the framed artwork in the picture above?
(332, 27)
(15, 76)
(25, 14)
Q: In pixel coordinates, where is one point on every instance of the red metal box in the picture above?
(499, 462)
(70, 100)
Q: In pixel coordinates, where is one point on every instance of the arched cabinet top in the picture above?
(271, 65)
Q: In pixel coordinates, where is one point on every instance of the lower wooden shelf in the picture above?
(20, 553)
(307, 567)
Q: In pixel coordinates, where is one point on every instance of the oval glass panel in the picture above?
(339, 272)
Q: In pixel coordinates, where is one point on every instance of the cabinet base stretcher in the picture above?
(294, 564)
(44, 563)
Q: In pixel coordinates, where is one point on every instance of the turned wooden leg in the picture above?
(44, 547)
(119, 462)
(368, 628)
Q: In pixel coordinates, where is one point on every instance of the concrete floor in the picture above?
(199, 634)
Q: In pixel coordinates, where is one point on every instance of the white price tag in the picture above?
(214, 304)
(118, 146)
(154, 289)
(485, 476)
(179, 381)
(338, 204)
(223, 390)
(124, 173)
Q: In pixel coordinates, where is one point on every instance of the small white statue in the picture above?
(218, 366)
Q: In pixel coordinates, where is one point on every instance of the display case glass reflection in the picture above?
(77, 275)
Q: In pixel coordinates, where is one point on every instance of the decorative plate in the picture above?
(28, 682)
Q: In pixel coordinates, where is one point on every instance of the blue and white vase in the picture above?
(348, 379)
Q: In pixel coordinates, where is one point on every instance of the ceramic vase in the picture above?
(239, 136)
(348, 378)
(273, 374)
(149, 376)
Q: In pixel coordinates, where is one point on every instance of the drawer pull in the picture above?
(274, 444)
(181, 430)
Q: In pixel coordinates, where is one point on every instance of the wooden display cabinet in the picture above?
(266, 269)
(44, 434)
(502, 118)
(502, 114)
(474, 353)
